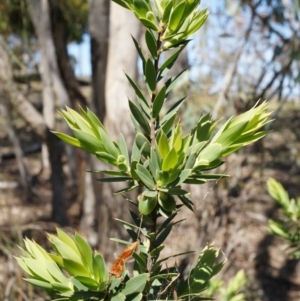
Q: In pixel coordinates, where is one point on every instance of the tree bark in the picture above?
(121, 56)
(99, 11)
(27, 111)
(25, 177)
(60, 36)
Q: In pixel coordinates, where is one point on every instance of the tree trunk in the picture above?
(122, 56)
(25, 177)
(39, 11)
(59, 30)
(39, 126)
(99, 11)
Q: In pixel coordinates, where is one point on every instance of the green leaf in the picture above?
(94, 119)
(167, 125)
(145, 176)
(170, 161)
(88, 142)
(135, 297)
(150, 75)
(139, 117)
(278, 229)
(108, 144)
(163, 235)
(197, 22)
(86, 281)
(173, 110)
(99, 267)
(65, 246)
(278, 193)
(137, 90)
(209, 154)
(141, 54)
(163, 146)
(122, 3)
(169, 62)
(141, 262)
(149, 24)
(158, 102)
(135, 284)
(75, 268)
(143, 144)
(167, 12)
(54, 270)
(43, 284)
(85, 251)
(70, 140)
(154, 163)
(114, 179)
(123, 148)
(173, 81)
(140, 7)
(38, 270)
(175, 19)
(118, 297)
(151, 43)
(106, 157)
(187, 202)
(230, 135)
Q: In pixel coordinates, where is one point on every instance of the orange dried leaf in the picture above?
(119, 264)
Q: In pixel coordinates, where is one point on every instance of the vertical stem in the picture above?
(153, 122)
(156, 61)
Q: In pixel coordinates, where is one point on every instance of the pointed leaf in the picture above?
(170, 161)
(135, 284)
(70, 140)
(139, 117)
(151, 43)
(150, 75)
(158, 102)
(145, 176)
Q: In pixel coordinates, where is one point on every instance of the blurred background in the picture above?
(57, 53)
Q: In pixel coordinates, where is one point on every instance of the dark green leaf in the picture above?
(122, 3)
(151, 43)
(173, 110)
(145, 176)
(105, 157)
(141, 262)
(143, 144)
(139, 117)
(167, 125)
(171, 83)
(187, 202)
(140, 52)
(158, 102)
(150, 75)
(137, 90)
(114, 179)
(169, 62)
(164, 234)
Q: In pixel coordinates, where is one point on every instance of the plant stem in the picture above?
(156, 61)
(153, 138)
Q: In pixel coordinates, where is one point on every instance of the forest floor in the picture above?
(233, 213)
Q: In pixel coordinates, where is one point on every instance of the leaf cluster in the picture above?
(288, 226)
(74, 272)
